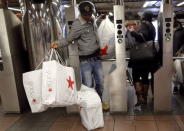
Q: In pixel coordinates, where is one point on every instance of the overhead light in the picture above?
(179, 4)
(66, 6)
(15, 9)
(110, 13)
(147, 3)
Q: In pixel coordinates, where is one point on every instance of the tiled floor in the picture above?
(57, 119)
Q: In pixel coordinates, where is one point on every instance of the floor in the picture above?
(56, 119)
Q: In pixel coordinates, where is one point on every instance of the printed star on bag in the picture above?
(70, 83)
(50, 90)
(104, 50)
(34, 100)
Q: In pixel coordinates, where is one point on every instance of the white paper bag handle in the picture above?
(49, 52)
(58, 58)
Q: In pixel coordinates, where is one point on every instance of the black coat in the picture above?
(147, 30)
(178, 41)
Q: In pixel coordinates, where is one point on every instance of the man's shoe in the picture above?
(105, 107)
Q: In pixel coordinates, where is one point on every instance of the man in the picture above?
(84, 33)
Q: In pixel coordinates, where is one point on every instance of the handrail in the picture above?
(174, 58)
(114, 59)
(178, 58)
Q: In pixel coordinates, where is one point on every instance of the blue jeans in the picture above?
(92, 74)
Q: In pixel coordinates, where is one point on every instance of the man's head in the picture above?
(86, 9)
(147, 16)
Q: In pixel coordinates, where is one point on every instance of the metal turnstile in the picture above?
(14, 63)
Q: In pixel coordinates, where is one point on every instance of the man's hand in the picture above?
(54, 45)
(103, 16)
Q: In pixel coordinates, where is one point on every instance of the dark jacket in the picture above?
(147, 30)
(178, 41)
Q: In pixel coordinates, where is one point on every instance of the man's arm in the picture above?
(74, 34)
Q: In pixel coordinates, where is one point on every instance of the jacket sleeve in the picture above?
(73, 35)
(142, 32)
(129, 40)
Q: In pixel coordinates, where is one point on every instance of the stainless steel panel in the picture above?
(13, 56)
(117, 79)
(163, 77)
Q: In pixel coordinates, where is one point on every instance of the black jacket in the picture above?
(147, 30)
(178, 41)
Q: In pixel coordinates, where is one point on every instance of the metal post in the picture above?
(163, 77)
(118, 87)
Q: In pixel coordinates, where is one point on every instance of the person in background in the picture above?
(141, 69)
(84, 33)
(178, 45)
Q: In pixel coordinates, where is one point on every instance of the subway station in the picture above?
(91, 65)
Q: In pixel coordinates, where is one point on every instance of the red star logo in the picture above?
(50, 90)
(104, 50)
(81, 107)
(70, 83)
(34, 100)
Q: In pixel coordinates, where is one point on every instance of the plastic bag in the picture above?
(90, 108)
(32, 82)
(107, 39)
(58, 84)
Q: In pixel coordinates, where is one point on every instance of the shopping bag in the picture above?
(32, 82)
(143, 51)
(106, 39)
(90, 108)
(178, 76)
(59, 85)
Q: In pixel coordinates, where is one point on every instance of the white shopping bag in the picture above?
(32, 82)
(107, 39)
(59, 85)
(90, 108)
(178, 76)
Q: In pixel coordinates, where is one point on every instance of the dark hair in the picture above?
(86, 7)
(147, 16)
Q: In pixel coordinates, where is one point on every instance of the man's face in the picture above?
(86, 17)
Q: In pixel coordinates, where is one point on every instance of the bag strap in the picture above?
(58, 58)
(143, 37)
(49, 52)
